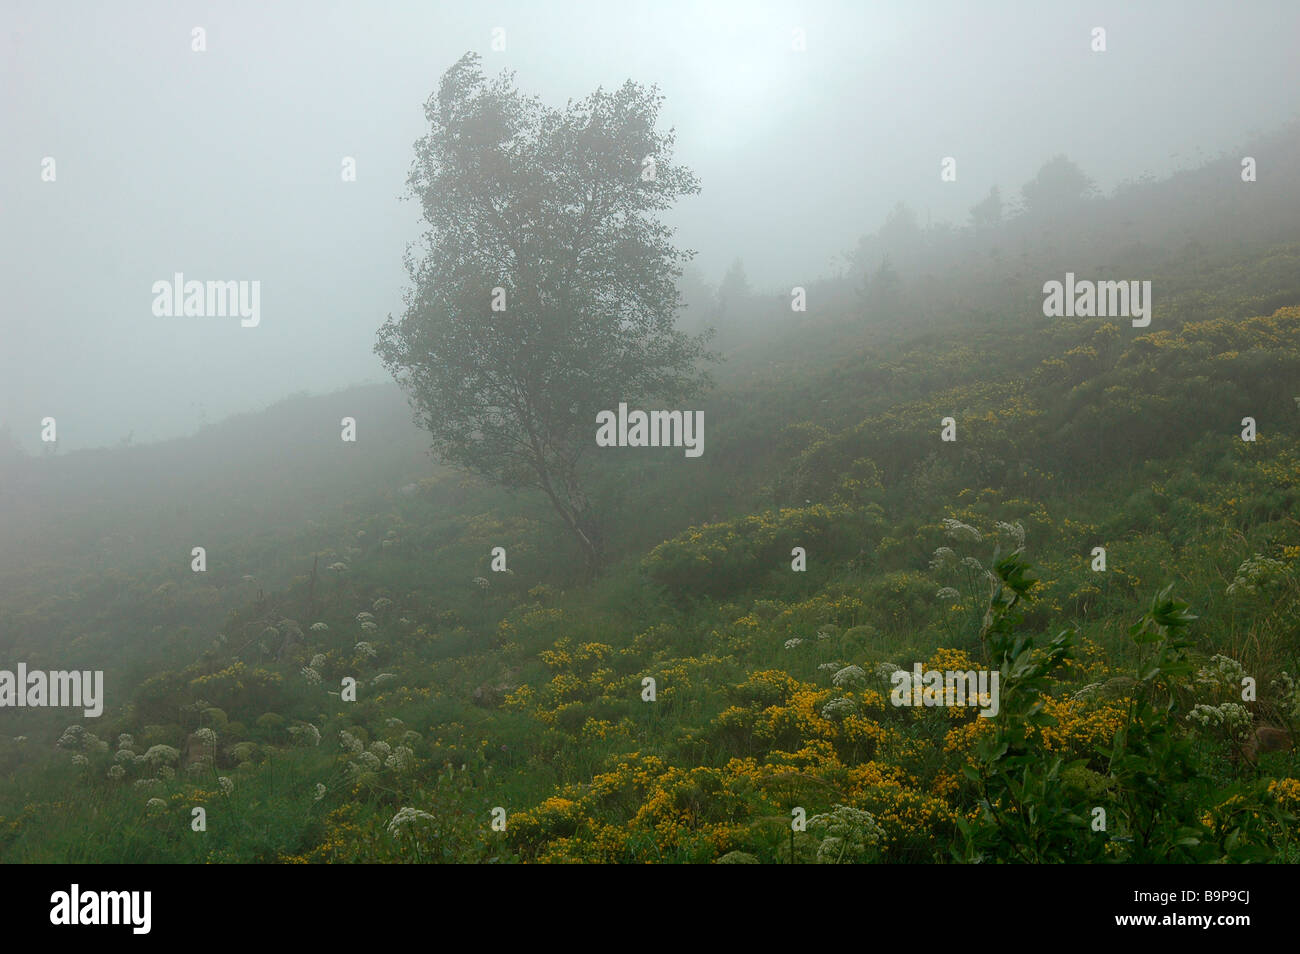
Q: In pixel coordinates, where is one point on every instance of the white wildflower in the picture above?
(161, 753)
(1255, 574)
(74, 737)
(961, 531)
(850, 677)
(1231, 717)
(399, 759)
(369, 762)
(850, 835)
(1014, 530)
(1222, 672)
(305, 734)
(1288, 693)
(838, 709)
(943, 557)
(408, 818)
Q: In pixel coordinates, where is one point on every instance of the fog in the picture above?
(226, 164)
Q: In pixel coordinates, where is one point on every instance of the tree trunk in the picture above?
(591, 542)
(575, 520)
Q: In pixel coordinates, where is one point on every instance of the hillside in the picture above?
(773, 687)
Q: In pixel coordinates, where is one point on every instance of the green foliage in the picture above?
(1024, 812)
(1153, 803)
(721, 558)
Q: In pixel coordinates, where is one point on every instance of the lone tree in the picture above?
(547, 291)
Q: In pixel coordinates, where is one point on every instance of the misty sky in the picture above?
(226, 164)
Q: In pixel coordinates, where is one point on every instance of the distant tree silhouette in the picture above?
(698, 301)
(900, 236)
(987, 213)
(1059, 186)
(733, 292)
(884, 291)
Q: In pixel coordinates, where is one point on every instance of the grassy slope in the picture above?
(526, 694)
